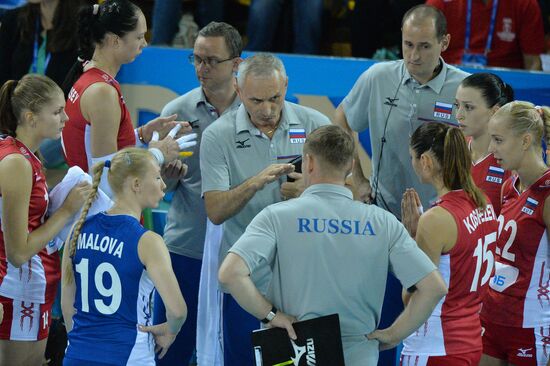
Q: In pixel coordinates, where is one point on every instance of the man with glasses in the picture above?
(245, 159)
(216, 56)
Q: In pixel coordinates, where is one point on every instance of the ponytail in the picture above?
(73, 237)
(8, 119)
(456, 166)
(450, 149)
(544, 112)
(31, 93)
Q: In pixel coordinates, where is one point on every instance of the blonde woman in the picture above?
(111, 267)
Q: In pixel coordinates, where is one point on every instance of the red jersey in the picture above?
(35, 281)
(518, 30)
(76, 137)
(489, 177)
(454, 326)
(519, 291)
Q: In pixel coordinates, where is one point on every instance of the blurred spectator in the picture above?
(492, 33)
(263, 19)
(366, 20)
(167, 15)
(40, 38)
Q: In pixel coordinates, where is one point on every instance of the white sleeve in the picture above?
(104, 183)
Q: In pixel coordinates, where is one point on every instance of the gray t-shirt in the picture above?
(186, 220)
(387, 93)
(330, 254)
(233, 150)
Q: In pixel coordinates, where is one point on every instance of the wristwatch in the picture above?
(269, 317)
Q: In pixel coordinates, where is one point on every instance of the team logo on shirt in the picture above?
(506, 35)
(297, 135)
(242, 144)
(495, 174)
(523, 352)
(443, 110)
(530, 206)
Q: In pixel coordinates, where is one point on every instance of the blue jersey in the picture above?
(113, 294)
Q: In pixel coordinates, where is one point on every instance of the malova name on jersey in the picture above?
(106, 244)
(478, 216)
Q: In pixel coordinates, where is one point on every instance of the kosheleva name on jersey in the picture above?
(106, 244)
(334, 226)
(479, 216)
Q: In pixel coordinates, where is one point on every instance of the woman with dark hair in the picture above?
(109, 35)
(458, 234)
(478, 97)
(31, 110)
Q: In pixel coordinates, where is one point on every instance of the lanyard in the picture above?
(491, 27)
(40, 57)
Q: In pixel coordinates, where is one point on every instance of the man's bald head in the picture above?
(423, 13)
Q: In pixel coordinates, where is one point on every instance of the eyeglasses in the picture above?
(209, 61)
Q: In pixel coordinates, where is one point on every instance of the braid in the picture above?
(71, 249)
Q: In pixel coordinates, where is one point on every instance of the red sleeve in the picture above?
(531, 31)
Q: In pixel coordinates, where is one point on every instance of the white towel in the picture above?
(209, 314)
(74, 176)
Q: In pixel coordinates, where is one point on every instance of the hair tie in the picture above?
(108, 164)
(540, 111)
(96, 9)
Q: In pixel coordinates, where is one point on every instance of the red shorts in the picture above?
(25, 321)
(465, 359)
(518, 346)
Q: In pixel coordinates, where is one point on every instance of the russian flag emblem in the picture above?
(496, 170)
(297, 135)
(443, 110)
(531, 202)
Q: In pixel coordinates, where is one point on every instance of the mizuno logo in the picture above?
(242, 144)
(390, 101)
(299, 351)
(523, 352)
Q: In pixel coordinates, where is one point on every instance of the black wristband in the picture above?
(269, 317)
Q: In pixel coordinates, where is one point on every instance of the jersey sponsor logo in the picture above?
(443, 110)
(335, 226)
(506, 35)
(297, 135)
(524, 352)
(242, 144)
(105, 245)
(477, 217)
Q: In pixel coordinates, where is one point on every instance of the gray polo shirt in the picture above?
(186, 219)
(233, 150)
(369, 105)
(331, 254)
